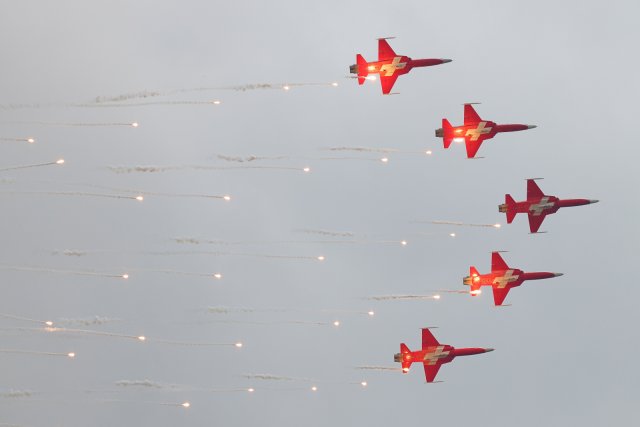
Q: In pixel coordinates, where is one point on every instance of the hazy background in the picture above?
(565, 350)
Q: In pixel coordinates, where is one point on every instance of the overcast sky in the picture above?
(565, 348)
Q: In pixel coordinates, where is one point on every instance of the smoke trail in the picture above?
(275, 322)
(402, 297)
(377, 368)
(14, 394)
(249, 159)
(160, 169)
(143, 384)
(37, 165)
(220, 253)
(97, 333)
(29, 140)
(270, 377)
(326, 232)
(363, 149)
(72, 194)
(67, 124)
(36, 353)
(70, 252)
(25, 319)
(127, 96)
(198, 344)
(143, 104)
(74, 272)
(182, 273)
(459, 224)
(95, 320)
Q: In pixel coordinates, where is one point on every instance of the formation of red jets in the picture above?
(473, 132)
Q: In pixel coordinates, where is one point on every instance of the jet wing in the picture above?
(499, 294)
(533, 191)
(470, 115)
(384, 50)
(473, 146)
(535, 221)
(430, 371)
(428, 340)
(497, 263)
(388, 82)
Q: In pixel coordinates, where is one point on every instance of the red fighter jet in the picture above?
(502, 278)
(389, 65)
(433, 355)
(537, 206)
(474, 131)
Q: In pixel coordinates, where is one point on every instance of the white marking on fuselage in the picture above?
(477, 132)
(432, 358)
(390, 69)
(537, 208)
(503, 281)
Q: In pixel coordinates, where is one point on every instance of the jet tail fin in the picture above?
(406, 361)
(474, 284)
(509, 208)
(362, 68)
(447, 133)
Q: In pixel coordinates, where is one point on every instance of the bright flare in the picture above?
(125, 276)
(186, 404)
(135, 124)
(336, 323)
(71, 355)
(251, 390)
(452, 234)
(48, 323)
(226, 198)
(497, 225)
(371, 78)
(218, 276)
(238, 344)
(334, 84)
(285, 87)
(60, 162)
(403, 242)
(314, 388)
(216, 102)
(306, 170)
(363, 383)
(31, 140)
(384, 160)
(142, 338)
(371, 313)
(321, 258)
(428, 152)
(436, 297)
(139, 198)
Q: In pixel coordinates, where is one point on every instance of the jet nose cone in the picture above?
(532, 126)
(593, 201)
(444, 61)
(487, 350)
(558, 274)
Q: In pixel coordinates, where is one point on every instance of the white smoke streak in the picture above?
(457, 223)
(36, 165)
(326, 232)
(378, 368)
(402, 297)
(363, 149)
(51, 270)
(68, 193)
(89, 321)
(14, 394)
(160, 169)
(143, 384)
(249, 159)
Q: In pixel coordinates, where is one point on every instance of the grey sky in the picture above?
(564, 349)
